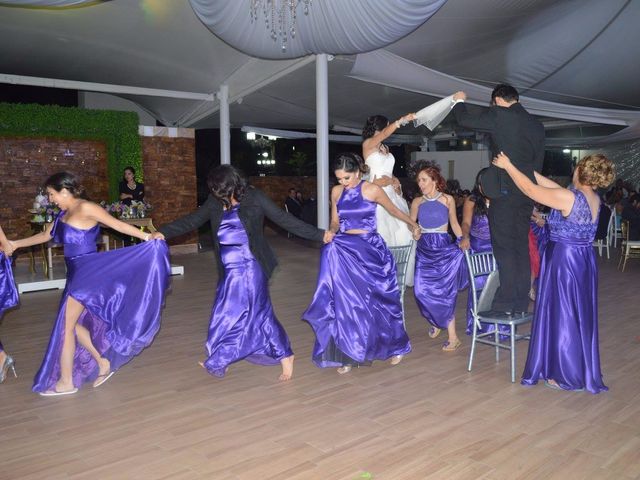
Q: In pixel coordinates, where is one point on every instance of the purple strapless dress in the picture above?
(440, 266)
(122, 292)
(8, 291)
(564, 333)
(243, 325)
(355, 312)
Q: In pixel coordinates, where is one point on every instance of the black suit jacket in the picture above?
(513, 131)
(253, 208)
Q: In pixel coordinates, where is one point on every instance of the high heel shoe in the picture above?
(9, 363)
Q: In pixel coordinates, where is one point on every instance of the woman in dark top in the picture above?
(243, 325)
(129, 189)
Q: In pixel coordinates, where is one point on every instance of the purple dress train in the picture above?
(440, 266)
(122, 292)
(564, 334)
(243, 325)
(355, 312)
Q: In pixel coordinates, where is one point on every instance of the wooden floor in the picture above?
(163, 417)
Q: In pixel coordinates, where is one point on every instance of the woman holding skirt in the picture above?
(243, 325)
(440, 266)
(356, 313)
(112, 300)
(8, 299)
(564, 350)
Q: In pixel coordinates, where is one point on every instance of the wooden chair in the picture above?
(630, 248)
(484, 263)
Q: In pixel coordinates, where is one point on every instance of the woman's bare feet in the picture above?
(63, 387)
(287, 368)
(396, 359)
(104, 372)
(344, 369)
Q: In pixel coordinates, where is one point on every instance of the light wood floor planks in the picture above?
(163, 417)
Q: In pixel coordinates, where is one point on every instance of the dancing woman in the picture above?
(243, 325)
(356, 313)
(8, 299)
(440, 267)
(563, 350)
(112, 300)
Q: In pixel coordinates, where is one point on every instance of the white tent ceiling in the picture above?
(577, 52)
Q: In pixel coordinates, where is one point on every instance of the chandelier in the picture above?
(279, 17)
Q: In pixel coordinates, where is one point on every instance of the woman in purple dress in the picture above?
(243, 325)
(112, 300)
(440, 266)
(8, 299)
(356, 313)
(564, 339)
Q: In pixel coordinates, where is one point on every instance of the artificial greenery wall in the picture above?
(119, 131)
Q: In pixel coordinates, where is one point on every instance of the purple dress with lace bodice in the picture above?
(122, 292)
(440, 267)
(243, 325)
(564, 334)
(356, 312)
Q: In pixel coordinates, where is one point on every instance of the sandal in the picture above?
(434, 332)
(55, 393)
(396, 359)
(102, 378)
(450, 347)
(344, 369)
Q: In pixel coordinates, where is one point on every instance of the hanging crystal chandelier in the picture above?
(279, 17)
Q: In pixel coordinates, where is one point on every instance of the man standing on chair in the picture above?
(521, 137)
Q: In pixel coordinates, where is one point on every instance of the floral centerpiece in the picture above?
(43, 210)
(121, 210)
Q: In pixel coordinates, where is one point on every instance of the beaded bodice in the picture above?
(578, 228)
(433, 214)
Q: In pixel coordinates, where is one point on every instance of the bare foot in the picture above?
(396, 359)
(344, 369)
(104, 367)
(287, 369)
(63, 387)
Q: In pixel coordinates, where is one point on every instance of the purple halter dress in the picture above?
(243, 325)
(355, 312)
(564, 333)
(122, 292)
(440, 267)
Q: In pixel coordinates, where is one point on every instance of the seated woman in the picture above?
(112, 300)
(563, 350)
(8, 299)
(130, 189)
(356, 312)
(440, 266)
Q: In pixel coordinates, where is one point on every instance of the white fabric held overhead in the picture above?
(332, 26)
(433, 114)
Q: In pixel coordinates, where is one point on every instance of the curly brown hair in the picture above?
(432, 169)
(596, 171)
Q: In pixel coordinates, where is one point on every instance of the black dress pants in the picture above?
(509, 218)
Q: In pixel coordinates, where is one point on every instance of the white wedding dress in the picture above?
(394, 231)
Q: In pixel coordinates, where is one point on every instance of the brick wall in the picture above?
(277, 188)
(25, 163)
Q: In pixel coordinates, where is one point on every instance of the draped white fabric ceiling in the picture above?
(578, 53)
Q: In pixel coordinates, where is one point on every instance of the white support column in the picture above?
(322, 139)
(225, 128)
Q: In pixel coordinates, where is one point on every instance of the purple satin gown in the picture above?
(122, 292)
(355, 312)
(243, 325)
(440, 266)
(564, 334)
(8, 291)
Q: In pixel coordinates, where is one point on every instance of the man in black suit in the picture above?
(294, 207)
(521, 137)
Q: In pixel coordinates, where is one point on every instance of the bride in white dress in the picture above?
(381, 162)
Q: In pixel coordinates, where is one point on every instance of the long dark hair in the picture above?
(225, 182)
(477, 197)
(350, 162)
(374, 123)
(67, 180)
(133, 170)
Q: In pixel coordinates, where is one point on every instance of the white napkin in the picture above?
(432, 115)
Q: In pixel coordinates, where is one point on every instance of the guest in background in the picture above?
(130, 189)
(356, 312)
(564, 350)
(440, 266)
(310, 211)
(294, 206)
(8, 299)
(243, 325)
(631, 213)
(112, 300)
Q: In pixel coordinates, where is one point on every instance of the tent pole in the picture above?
(322, 142)
(225, 128)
